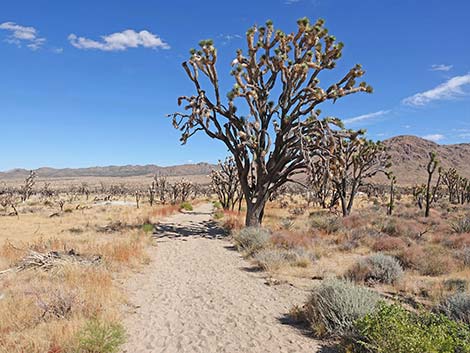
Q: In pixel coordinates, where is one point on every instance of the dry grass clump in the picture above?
(252, 239)
(436, 261)
(335, 305)
(276, 258)
(461, 225)
(326, 222)
(376, 268)
(389, 244)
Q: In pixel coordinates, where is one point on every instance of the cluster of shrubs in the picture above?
(258, 243)
(363, 322)
(376, 268)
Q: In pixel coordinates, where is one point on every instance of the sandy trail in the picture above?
(198, 295)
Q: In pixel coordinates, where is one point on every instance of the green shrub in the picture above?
(456, 307)
(217, 205)
(147, 227)
(100, 337)
(252, 239)
(376, 268)
(461, 225)
(186, 206)
(335, 305)
(392, 329)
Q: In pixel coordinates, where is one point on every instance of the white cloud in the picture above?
(21, 34)
(58, 50)
(464, 135)
(120, 41)
(434, 137)
(441, 67)
(447, 90)
(227, 38)
(365, 117)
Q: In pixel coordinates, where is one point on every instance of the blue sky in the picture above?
(89, 83)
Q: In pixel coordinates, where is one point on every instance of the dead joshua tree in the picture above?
(151, 193)
(185, 188)
(431, 191)
(278, 82)
(26, 189)
(137, 198)
(391, 202)
(161, 188)
(7, 200)
(226, 185)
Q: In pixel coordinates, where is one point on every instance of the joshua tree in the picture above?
(346, 159)
(431, 191)
(277, 82)
(27, 188)
(354, 160)
(161, 187)
(226, 184)
(151, 193)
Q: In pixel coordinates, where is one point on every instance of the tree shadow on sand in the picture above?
(204, 229)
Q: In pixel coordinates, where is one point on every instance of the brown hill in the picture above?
(410, 155)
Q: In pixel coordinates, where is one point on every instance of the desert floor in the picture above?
(199, 295)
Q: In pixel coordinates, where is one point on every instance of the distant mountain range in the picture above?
(113, 171)
(410, 155)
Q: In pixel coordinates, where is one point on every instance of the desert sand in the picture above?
(199, 295)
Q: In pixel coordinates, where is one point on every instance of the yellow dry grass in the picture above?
(42, 312)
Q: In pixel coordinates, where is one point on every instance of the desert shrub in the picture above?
(335, 305)
(217, 205)
(286, 223)
(411, 256)
(457, 241)
(100, 337)
(390, 227)
(219, 214)
(270, 259)
(327, 223)
(252, 239)
(147, 227)
(435, 262)
(388, 243)
(461, 225)
(231, 224)
(376, 268)
(456, 307)
(392, 329)
(186, 206)
(274, 259)
(464, 255)
(428, 261)
(455, 284)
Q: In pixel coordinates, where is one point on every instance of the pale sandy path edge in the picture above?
(198, 296)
